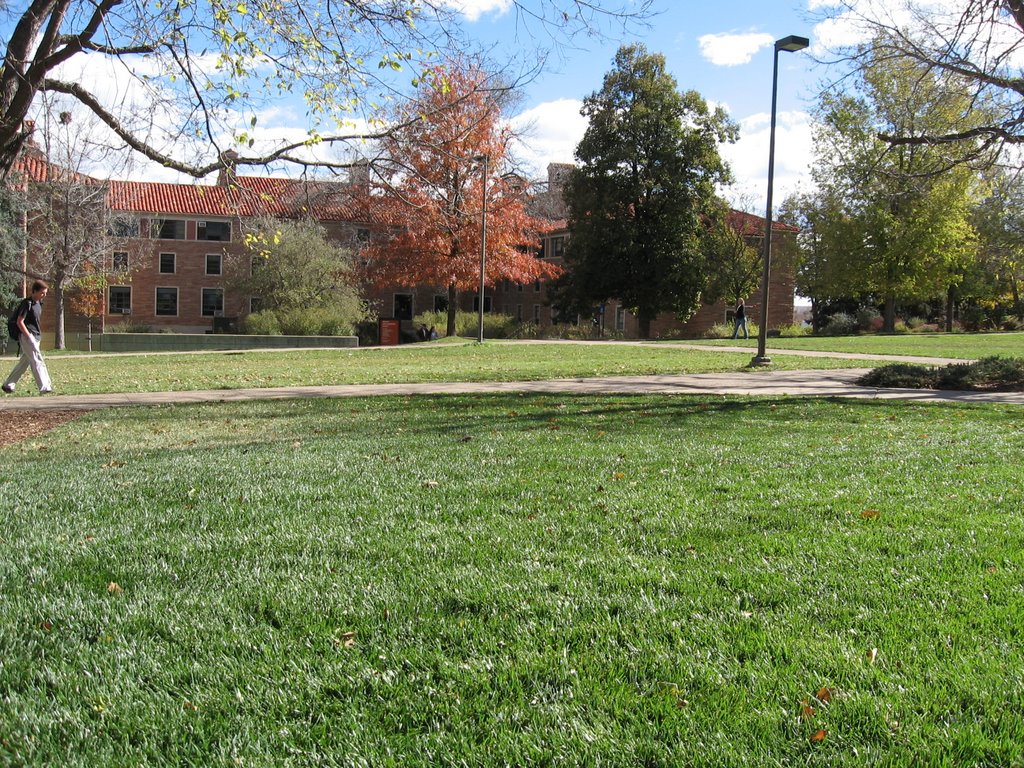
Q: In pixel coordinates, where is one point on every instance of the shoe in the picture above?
(45, 391)
(8, 388)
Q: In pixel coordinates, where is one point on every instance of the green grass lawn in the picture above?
(965, 346)
(413, 363)
(515, 580)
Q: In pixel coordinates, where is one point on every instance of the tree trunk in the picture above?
(645, 327)
(889, 315)
(58, 325)
(453, 297)
(950, 303)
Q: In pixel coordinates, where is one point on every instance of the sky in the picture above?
(723, 50)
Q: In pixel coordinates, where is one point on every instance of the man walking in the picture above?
(27, 320)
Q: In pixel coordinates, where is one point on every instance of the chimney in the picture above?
(226, 175)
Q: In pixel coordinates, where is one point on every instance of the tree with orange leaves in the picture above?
(444, 171)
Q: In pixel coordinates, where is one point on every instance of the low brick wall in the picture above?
(190, 342)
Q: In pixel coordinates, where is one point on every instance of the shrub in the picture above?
(915, 323)
(496, 326)
(989, 374)
(869, 319)
(900, 375)
(794, 329)
(262, 323)
(840, 324)
(128, 326)
(316, 321)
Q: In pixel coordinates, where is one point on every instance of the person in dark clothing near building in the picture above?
(27, 320)
(740, 318)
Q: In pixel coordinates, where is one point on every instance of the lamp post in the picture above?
(791, 44)
(483, 246)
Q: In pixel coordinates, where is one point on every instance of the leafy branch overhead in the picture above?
(182, 84)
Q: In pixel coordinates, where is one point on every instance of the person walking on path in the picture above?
(27, 320)
(740, 318)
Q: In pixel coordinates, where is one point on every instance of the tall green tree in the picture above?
(899, 224)
(997, 274)
(642, 193)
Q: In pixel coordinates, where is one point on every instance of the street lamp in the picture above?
(483, 245)
(791, 43)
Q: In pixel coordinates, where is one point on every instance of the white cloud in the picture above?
(474, 9)
(730, 50)
(549, 134)
(748, 157)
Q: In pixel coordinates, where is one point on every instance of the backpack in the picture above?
(13, 331)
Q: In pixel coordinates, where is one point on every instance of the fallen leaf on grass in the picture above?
(807, 710)
(870, 514)
(114, 588)
(46, 626)
(872, 656)
(113, 464)
(819, 735)
(619, 476)
(430, 483)
(824, 695)
(346, 640)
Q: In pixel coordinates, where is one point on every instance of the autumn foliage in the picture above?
(428, 194)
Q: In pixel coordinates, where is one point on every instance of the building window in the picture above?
(519, 313)
(213, 302)
(167, 263)
(403, 306)
(440, 302)
(214, 230)
(362, 235)
(519, 287)
(213, 263)
(536, 286)
(557, 247)
(167, 302)
(119, 261)
(123, 226)
(620, 318)
(255, 304)
(168, 229)
(487, 303)
(536, 314)
(119, 300)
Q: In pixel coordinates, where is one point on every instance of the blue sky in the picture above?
(722, 49)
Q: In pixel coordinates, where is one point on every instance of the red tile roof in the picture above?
(248, 196)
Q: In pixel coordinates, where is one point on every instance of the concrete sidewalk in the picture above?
(824, 383)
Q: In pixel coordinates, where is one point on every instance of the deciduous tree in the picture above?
(899, 214)
(643, 193)
(446, 173)
(293, 268)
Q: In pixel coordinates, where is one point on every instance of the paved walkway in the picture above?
(826, 383)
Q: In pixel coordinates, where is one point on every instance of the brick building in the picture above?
(172, 247)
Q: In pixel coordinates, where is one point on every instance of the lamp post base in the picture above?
(760, 360)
